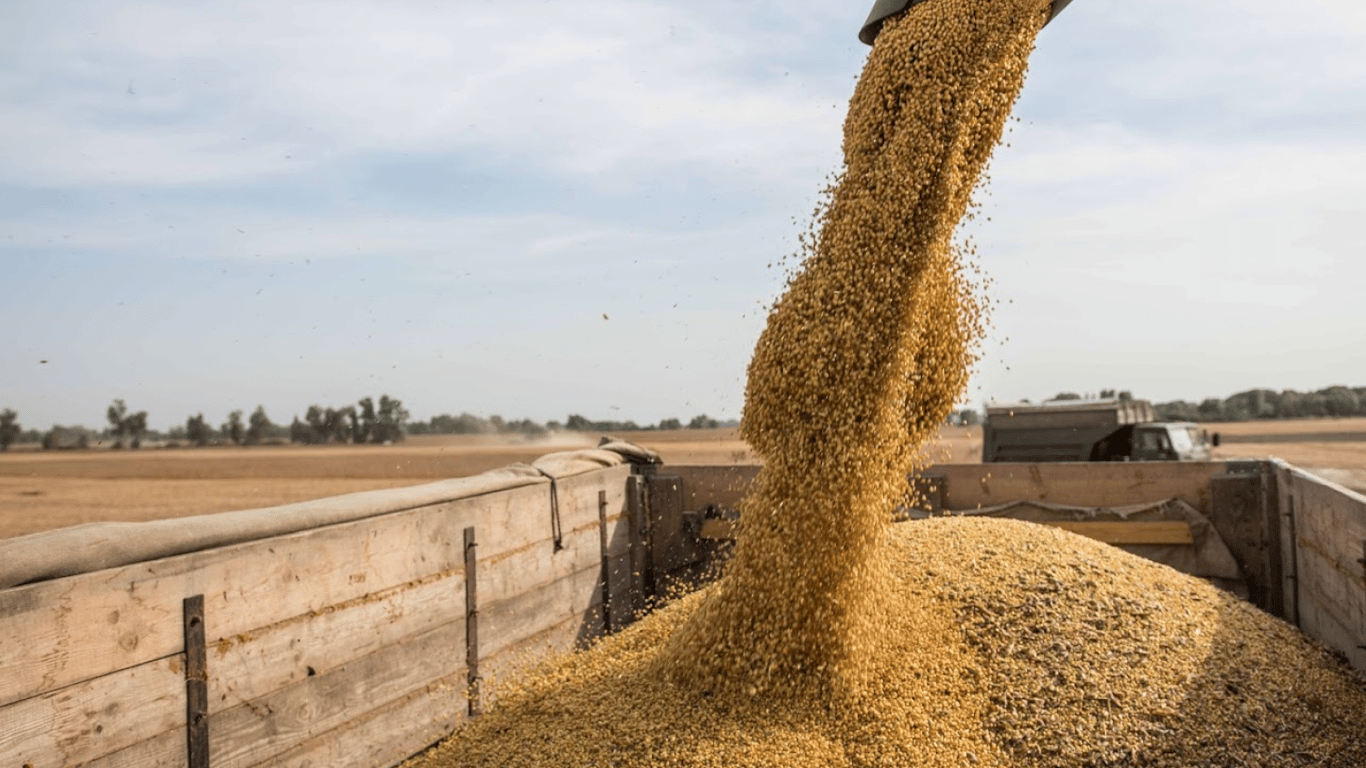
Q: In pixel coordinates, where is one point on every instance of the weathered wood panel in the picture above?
(255, 731)
(1329, 588)
(724, 486)
(384, 736)
(246, 667)
(164, 750)
(91, 661)
(1131, 532)
(1108, 484)
(57, 633)
(96, 717)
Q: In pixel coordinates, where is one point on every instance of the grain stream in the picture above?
(836, 638)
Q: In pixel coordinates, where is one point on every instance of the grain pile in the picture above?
(836, 639)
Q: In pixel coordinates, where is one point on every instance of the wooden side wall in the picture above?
(1108, 484)
(1300, 540)
(339, 646)
(1323, 538)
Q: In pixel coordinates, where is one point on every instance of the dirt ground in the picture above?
(45, 490)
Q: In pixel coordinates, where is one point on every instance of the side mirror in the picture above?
(1215, 440)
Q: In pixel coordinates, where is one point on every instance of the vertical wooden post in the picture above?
(472, 624)
(606, 564)
(196, 684)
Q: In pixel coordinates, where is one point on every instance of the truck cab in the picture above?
(1089, 430)
(1154, 441)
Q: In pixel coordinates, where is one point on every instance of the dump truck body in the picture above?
(1088, 430)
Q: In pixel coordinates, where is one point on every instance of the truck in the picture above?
(1108, 429)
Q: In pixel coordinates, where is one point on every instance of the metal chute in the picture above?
(885, 8)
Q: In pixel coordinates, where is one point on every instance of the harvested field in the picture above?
(42, 491)
(1332, 448)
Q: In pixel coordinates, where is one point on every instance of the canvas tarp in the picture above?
(96, 546)
(1207, 557)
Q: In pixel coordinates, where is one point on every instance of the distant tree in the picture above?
(554, 426)
(343, 423)
(1211, 409)
(9, 428)
(703, 421)
(1314, 404)
(670, 424)
(66, 438)
(1125, 396)
(258, 426)
(1106, 394)
(1067, 396)
(576, 423)
(964, 418)
(126, 426)
(197, 430)
(497, 423)
(233, 429)
(1340, 401)
(117, 414)
(1177, 410)
(300, 432)
(390, 421)
(365, 421)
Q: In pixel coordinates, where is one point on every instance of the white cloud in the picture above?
(228, 90)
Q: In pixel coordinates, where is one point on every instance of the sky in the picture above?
(531, 208)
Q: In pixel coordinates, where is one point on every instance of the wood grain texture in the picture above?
(384, 736)
(1098, 484)
(1330, 584)
(1136, 532)
(255, 731)
(94, 718)
(309, 628)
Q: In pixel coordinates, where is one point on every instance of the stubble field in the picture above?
(46, 490)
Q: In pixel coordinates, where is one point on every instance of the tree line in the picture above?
(1260, 404)
(367, 421)
(469, 424)
(1253, 404)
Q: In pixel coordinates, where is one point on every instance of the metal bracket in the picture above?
(472, 624)
(606, 564)
(196, 684)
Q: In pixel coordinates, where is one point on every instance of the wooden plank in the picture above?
(551, 618)
(510, 621)
(384, 736)
(246, 667)
(258, 730)
(64, 631)
(536, 563)
(1130, 532)
(724, 486)
(1098, 484)
(524, 657)
(165, 750)
(579, 495)
(96, 717)
(1330, 530)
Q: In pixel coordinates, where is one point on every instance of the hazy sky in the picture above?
(536, 208)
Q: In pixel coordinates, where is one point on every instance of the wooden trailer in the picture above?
(357, 630)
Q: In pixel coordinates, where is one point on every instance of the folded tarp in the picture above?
(96, 546)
